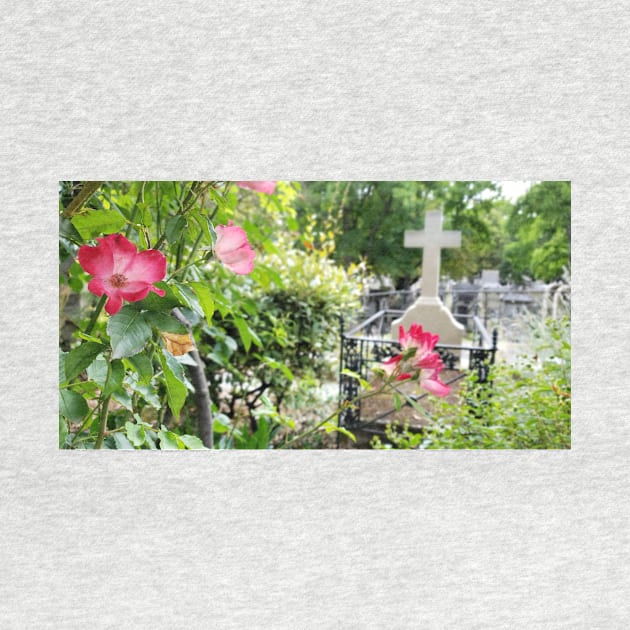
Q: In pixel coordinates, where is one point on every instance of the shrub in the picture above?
(293, 308)
(528, 405)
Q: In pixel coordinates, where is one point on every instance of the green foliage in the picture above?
(527, 406)
(367, 221)
(289, 328)
(540, 229)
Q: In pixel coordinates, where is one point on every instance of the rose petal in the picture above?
(123, 250)
(113, 303)
(435, 387)
(97, 260)
(233, 249)
(132, 293)
(266, 187)
(96, 286)
(148, 266)
(229, 238)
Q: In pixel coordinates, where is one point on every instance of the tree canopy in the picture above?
(366, 221)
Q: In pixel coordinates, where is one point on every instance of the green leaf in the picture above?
(142, 366)
(246, 333)
(62, 367)
(148, 392)
(122, 442)
(204, 295)
(175, 388)
(72, 405)
(187, 296)
(135, 433)
(421, 410)
(164, 322)
(174, 228)
(81, 357)
(191, 441)
(128, 332)
(168, 440)
(331, 427)
(123, 397)
(96, 222)
(63, 432)
(97, 371)
(154, 302)
(364, 384)
(116, 375)
(279, 366)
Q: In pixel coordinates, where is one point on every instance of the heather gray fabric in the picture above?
(302, 90)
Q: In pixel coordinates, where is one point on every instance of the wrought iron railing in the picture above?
(366, 345)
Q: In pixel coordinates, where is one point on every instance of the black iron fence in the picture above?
(365, 346)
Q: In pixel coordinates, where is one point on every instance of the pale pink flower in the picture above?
(120, 271)
(266, 187)
(417, 360)
(233, 249)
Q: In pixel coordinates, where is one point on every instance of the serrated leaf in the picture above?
(97, 371)
(72, 405)
(123, 397)
(154, 302)
(246, 333)
(143, 367)
(122, 442)
(175, 389)
(116, 375)
(62, 367)
(98, 222)
(187, 295)
(168, 440)
(204, 295)
(81, 357)
(174, 228)
(63, 432)
(128, 332)
(191, 441)
(135, 433)
(164, 322)
(148, 392)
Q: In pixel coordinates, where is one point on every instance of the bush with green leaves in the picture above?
(120, 384)
(159, 371)
(295, 313)
(527, 405)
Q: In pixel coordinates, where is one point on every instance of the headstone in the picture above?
(428, 310)
(490, 278)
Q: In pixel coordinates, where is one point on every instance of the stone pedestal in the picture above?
(434, 317)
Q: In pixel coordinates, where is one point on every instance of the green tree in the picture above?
(367, 220)
(540, 233)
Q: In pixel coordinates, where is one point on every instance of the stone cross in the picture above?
(432, 240)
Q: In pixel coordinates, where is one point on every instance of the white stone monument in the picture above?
(428, 309)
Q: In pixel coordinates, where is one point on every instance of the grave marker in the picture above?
(428, 310)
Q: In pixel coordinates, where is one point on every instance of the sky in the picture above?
(513, 190)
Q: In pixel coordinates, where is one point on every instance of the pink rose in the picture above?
(120, 271)
(418, 360)
(233, 249)
(266, 187)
